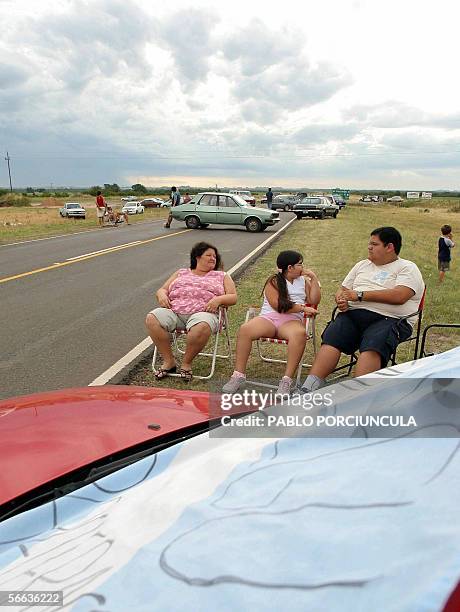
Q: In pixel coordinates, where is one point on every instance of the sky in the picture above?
(358, 94)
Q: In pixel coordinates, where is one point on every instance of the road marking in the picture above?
(89, 256)
(114, 369)
(120, 246)
(104, 378)
(93, 229)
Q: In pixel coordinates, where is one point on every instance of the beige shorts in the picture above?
(100, 212)
(170, 321)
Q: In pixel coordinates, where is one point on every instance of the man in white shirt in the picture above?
(374, 294)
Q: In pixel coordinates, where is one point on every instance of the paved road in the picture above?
(64, 321)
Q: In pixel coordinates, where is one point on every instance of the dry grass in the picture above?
(331, 247)
(43, 219)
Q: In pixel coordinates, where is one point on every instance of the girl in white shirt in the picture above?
(285, 296)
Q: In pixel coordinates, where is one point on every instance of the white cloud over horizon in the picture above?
(347, 93)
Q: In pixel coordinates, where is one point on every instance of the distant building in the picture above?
(427, 195)
(414, 195)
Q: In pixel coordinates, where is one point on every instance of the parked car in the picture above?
(154, 203)
(246, 195)
(395, 198)
(318, 207)
(73, 209)
(133, 208)
(335, 199)
(223, 208)
(284, 202)
(129, 198)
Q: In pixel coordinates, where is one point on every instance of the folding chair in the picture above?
(416, 329)
(309, 322)
(414, 336)
(182, 333)
(423, 353)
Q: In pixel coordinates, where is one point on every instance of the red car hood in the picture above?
(46, 435)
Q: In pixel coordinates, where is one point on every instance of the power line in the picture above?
(216, 156)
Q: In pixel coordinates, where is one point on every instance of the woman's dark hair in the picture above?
(98, 193)
(197, 251)
(278, 281)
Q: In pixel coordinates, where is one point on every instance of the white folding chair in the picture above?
(222, 332)
(310, 330)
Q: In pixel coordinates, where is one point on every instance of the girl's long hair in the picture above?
(278, 281)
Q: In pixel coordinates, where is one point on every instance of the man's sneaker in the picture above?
(284, 388)
(234, 383)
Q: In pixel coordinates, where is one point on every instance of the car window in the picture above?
(227, 201)
(208, 200)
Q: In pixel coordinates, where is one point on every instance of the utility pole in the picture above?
(7, 159)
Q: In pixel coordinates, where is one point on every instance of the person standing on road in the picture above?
(175, 201)
(101, 208)
(269, 196)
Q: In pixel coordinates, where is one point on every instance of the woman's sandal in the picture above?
(186, 375)
(162, 372)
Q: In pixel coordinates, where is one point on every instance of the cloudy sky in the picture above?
(350, 93)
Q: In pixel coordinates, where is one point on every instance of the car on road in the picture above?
(133, 208)
(246, 195)
(129, 198)
(317, 207)
(223, 208)
(395, 198)
(154, 203)
(74, 210)
(284, 202)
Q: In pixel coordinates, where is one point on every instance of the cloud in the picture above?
(188, 36)
(257, 48)
(272, 75)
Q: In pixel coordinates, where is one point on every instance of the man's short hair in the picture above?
(389, 235)
(446, 229)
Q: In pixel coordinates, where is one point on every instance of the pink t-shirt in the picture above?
(189, 293)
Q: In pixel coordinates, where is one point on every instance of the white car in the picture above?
(73, 209)
(129, 199)
(133, 208)
(395, 199)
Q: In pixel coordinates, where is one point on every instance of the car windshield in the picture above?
(239, 200)
(73, 205)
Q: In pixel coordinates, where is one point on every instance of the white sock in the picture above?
(312, 383)
(238, 374)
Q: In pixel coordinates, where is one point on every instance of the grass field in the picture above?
(331, 247)
(42, 220)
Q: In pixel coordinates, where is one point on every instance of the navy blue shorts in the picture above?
(365, 330)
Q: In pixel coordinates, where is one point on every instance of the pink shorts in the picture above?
(279, 318)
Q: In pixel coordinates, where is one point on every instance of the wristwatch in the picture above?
(360, 295)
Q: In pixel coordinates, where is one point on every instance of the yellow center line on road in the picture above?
(90, 256)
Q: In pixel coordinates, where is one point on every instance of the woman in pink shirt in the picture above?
(190, 300)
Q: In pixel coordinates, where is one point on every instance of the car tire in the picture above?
(287, 207)
(335, 215)
(299, 217)
(253, 225)
(322, 214)
(192, 222)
